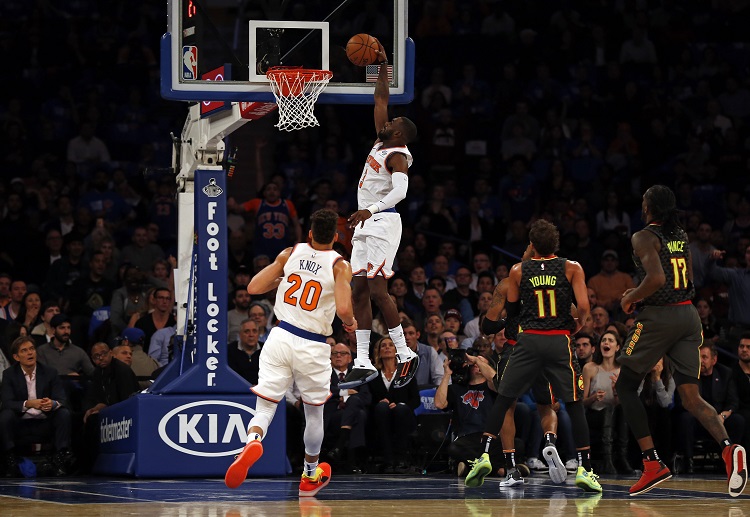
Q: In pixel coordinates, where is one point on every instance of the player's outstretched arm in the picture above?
(342, 273)
(381, 91)
(270, 276)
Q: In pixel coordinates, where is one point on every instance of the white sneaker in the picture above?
(557, 472)
(512, 479)
(571, 465)
(535, 464)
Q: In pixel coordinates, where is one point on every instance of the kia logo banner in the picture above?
(208, 428)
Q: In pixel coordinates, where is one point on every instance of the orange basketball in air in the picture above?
(362, 49)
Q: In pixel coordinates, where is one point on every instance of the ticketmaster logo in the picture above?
(112, 431)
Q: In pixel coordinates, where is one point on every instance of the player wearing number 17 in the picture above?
(313, 284)
(377, 234)
(667, 324)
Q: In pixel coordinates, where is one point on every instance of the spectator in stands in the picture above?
(610, 283)
(160, 317)
(600, 317)
(44, 332)
(392, 410)
(700, 251)
(160, 348)
(709, 323)
(418, 281)
(5, 281)
(584, 349)
(61, 354)
(471, 329)
(29, 314)
(741, 373)
(142, 364)
(140, 252)
(243, 354)
(239, 313)
(13, 307)
(33, 403)
(130, 299)
(462, 297)
(738, 281)
(429, 371)
(63, 272)
(260, 313)
(112, 382)
(275, 220)
(471, 402)
(453, 322)
(434, 325)
(89, 292)
(86, 149)
(602, 406)
(612, 217)
(718, 388)
(345, 415)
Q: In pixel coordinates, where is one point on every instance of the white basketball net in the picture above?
(296, 90)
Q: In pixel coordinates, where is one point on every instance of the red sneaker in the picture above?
(237, 471)
(735, 458)
(309, 486)
(654, 472)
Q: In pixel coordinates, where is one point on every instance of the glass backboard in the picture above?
(219, 50)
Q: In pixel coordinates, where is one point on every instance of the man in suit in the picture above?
(718, 388)
(243, 355)
(345, 412)
(33, 403)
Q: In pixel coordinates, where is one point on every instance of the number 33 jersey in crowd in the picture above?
(305, 297)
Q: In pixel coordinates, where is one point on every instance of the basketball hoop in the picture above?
(296, 89)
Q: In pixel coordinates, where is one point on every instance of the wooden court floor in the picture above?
(365, 496)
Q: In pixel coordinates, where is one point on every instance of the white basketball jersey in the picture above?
(375, 181)
(305, 297)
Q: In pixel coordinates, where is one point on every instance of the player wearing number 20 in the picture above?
(313, 284)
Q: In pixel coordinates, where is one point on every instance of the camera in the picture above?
(458, 364)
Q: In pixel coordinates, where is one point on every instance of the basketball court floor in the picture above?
(371, 496)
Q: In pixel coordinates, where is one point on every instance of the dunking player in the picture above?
(313, 285)
(667, 323)
(383, 184)
(491, 324)
(545, 286)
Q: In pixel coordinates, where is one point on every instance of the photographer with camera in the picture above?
(467, 388)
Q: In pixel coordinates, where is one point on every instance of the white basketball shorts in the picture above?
(288, 358)
(374, 246)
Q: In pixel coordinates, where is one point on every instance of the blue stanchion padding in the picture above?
(184, 436)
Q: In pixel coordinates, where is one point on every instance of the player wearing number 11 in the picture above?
(667, 324)
(313, 284)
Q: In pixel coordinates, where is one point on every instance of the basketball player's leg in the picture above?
(544, 400)
(313, 379)
(275, 376)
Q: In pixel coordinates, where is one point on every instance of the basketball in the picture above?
(362, 50)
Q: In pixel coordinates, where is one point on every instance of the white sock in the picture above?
(252, 437)
(363, 346)
(310, 468)
(397, 336)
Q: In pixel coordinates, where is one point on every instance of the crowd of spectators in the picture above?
(553, 109)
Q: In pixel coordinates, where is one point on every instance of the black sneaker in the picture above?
(406, 369)
(11, 465)
(62, 463)
(358, 376)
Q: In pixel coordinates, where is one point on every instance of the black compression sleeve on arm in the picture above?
(512, 308)
(492, 327)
